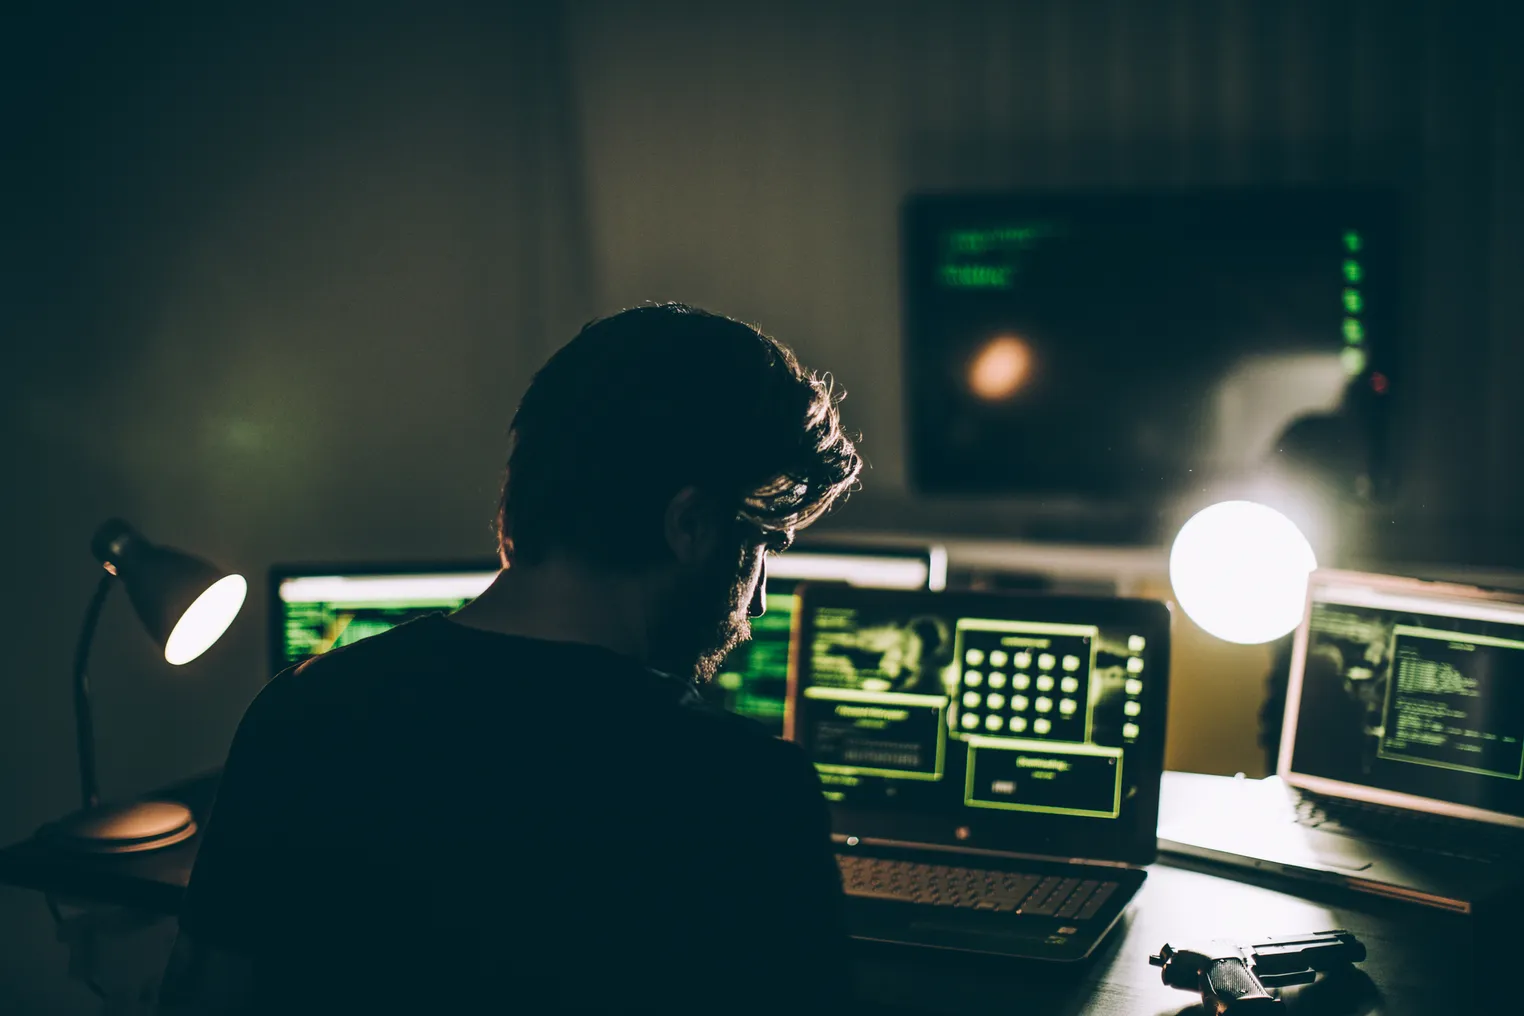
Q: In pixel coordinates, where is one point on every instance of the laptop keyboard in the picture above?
(1433, 834)
(945, 885)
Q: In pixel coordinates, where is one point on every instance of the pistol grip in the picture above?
(1229, 986)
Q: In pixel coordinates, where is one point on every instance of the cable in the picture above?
(62, 925)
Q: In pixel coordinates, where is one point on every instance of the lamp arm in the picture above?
(84, 726)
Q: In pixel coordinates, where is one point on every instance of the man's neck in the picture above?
(563, 602)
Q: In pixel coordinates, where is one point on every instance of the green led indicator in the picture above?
(1353, 360)
(1352, 270)
(1352, 242)
(1352, 301)
(1354, 331)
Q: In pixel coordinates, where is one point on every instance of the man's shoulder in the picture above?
(712, 721)
(746, 749)
(395, 645)
(362, 666)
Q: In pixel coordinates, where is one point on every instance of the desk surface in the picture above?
(1413, 964)
(153, 880)
(1420, 961)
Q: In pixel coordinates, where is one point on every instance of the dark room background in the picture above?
(275, 279)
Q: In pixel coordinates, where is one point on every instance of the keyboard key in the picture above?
(1044, 908)
(875, 894)
(1096, 901)
(1054, 900)
(1409, 830)
(987, 890)
(1076, 899)
(1071, 906)
(1044, 899)
(1045, 888)
(945, 885)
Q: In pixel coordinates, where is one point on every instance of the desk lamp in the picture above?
(1239, 570)
(186, 604)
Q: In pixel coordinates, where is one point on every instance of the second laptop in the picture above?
(992, 762)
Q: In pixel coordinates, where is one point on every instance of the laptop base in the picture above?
(1252, 824)
(980, 928)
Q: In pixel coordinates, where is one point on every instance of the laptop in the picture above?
(992, 761)
(753, 679)
(1401, 767)
(318, 607)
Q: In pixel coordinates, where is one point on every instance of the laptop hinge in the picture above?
(1012, 855)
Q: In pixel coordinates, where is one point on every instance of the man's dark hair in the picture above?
(657, 398)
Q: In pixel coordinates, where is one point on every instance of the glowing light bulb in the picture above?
(206, 619)
(1239, 570)
(1000, 368)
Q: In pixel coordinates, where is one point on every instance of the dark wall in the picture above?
(718, 128)
(274, 281)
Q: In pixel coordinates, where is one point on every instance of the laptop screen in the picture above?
(315, 609)
(753, 679)
(1410, 694)
(1026, 724)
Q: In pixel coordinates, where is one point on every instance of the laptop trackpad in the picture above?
(1337, 852)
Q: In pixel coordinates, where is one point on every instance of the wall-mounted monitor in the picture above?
(1129, 348)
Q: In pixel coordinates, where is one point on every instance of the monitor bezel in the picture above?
(1117, 841)
(1402, 586)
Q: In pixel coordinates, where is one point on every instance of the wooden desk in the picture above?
(1420, 961)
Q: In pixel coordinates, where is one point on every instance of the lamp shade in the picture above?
(184, 602)
(1239, 570)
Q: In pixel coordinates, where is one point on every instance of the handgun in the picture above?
(1232, 978)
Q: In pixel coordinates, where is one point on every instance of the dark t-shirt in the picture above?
(442, 819)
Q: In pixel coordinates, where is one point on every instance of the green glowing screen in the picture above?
(1121, 350)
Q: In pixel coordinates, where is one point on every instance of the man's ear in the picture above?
(690, 526)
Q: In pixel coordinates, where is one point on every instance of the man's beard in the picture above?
(706, 619)
(724, 639)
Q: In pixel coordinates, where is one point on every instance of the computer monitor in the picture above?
(315, 608)
(1168, 337)
(984, 720)
(1409, 694)
(753, 680)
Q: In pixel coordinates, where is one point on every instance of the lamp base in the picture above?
(124, 828)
